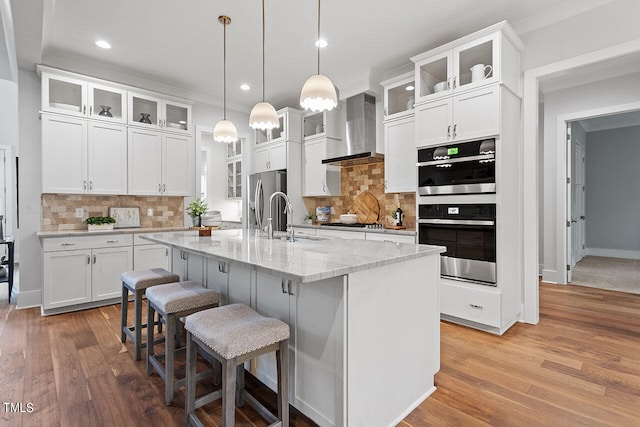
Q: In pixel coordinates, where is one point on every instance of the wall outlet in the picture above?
(332, 211)
(79, 212)
(149, 211)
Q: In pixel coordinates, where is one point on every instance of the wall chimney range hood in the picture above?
(360, 145)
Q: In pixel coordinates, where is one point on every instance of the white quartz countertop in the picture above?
(357, 229)
(304, 260)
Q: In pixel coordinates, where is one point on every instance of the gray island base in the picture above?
(364, 316)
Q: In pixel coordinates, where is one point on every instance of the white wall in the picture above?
(605, 26)
(613, 192)
(30, 184)
(612, 92)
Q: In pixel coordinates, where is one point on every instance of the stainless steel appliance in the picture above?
(261, 187)
(468, 231)
(464, 168)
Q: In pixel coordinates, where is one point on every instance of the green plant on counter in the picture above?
(310, 217)
(394, 214)
(99, 220)
(197, 208)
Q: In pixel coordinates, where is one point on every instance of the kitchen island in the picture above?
(364, 316)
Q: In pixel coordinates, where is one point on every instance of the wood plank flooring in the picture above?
(580, 366)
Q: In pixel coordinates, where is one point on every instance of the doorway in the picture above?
(604, 239)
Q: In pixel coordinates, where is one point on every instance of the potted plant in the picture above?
(196, 209)
(100, 223)
(309, 218)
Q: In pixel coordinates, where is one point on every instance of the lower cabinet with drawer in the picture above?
(478, 304)
(85, 269)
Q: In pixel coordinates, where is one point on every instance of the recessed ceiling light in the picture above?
(103, 44)
(409, 87)
(245, 86)
(321, 43)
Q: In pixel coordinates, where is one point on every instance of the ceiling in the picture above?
(180, 42)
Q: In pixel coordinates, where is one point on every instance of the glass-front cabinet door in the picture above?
(176, 116)
(65, 95)
(234, 179)
(280, 133)
(107, 103)
(476, 63)
(399, 95)
(144, 110)
(434, 76)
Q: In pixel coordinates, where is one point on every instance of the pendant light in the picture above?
(318, 92)
(225, 131)
(263, 116)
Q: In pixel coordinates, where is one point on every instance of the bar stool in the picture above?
(233, 334)
(173, 301)
(137, 282)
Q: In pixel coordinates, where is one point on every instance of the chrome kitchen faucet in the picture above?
(288, 209)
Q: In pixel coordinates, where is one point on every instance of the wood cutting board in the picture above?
(365, 205)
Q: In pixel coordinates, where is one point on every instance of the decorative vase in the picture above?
(196, 221)
(105, 111)
(99, 227)
(410, 103)
(145, 118)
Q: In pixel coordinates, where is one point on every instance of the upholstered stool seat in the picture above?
(173, 301)
(233, 334)
(137, 282)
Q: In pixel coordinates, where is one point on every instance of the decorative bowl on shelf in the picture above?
(348, 218)
(145, 118)
(439, 87)
(105, 111)
(176, 126)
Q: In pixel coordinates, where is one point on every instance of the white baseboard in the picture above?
(552, 276)
(29, 299)
(613, 253)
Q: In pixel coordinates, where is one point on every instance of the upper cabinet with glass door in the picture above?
(488, 56)
(151, 111)
(399, 96)
(66, 93)
(288, 130)
(325, 123)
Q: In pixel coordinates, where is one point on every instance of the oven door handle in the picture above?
(456, 222)
(457, 160)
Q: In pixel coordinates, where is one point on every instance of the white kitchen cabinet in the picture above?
(159, 163)
(271, 147)
(318, 179)
(84, 269)
(324, 123)
(84, 157)
(446, 70)
(399, 96)
(147, 255)
(234, 179)
(400, 155)
(165, 114)
(389, 237)
(470, 115)
(340, 234)
(70, 94)
(107, 266)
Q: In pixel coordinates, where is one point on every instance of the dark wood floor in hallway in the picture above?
(579, 366)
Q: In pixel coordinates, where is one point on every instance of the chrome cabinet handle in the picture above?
(159, 188)
(184, 255)
(166, 251)
(68, 244)
(454, 81)
(454, 130)
(164, 188)
(90, 185)
(449, 131)
(84, 109)
(88, 260)
(94, 258)
(476, 306)
(84, 184)
(112, 241)
(289, 291)
(449, 84)
(282, 285)
(90, 109)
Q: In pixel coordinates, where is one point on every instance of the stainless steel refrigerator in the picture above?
(261, 187)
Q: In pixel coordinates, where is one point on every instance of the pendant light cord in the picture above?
(224, 60)
(318, 39)
(262, 50)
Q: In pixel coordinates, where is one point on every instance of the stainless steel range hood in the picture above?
(360, 144)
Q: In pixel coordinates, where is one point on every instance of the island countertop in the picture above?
(305, 260)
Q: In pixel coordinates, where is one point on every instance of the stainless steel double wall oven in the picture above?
(466, 229)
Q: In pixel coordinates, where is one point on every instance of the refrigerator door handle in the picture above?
(258, 204)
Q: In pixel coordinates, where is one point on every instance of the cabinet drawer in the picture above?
(476, 305)
(53, 244)
(138, 241)
(387, 237)
(340, 234)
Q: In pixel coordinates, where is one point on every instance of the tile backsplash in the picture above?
(59, 210)
(367, 177)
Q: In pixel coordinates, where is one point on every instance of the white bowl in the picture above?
(439, 87)
(349, 218)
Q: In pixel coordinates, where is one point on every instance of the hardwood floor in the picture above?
(579, 366)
